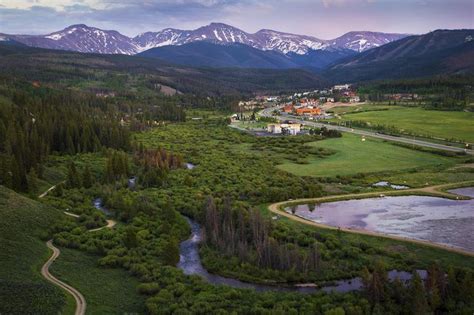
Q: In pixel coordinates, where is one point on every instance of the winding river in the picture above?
(190, 263)
(434, 219)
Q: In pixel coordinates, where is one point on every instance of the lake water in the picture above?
(190, 263)
(439, 220)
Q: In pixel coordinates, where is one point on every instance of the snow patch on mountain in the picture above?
(83, 38)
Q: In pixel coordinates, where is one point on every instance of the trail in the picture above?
(80, 300)
(49, 189)
(78, 297)
(110, 224)
(433, 190)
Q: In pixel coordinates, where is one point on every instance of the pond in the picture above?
(439, 220)
(190, 263)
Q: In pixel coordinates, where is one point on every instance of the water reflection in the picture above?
(190, 263)
(434, 219)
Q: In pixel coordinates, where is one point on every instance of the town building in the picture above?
(342, 87)
(289, 129)
(354, 99)
(308, 111)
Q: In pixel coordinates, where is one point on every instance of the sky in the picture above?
(325, 19)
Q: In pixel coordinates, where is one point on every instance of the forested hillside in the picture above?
(119, 73)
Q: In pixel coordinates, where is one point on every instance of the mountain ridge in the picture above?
(437, 52)
(83, 38)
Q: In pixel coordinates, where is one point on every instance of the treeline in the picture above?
(325, 132)
(440, 292)
(439, 93)
(36, 123)
(248, 237)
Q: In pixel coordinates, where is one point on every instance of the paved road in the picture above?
(80, 300)
(268, 113)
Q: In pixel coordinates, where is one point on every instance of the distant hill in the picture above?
(204, 54)
(101, 71)
(438, 52)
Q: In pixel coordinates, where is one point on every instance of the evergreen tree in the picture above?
(87, 177)
(33, 181)
(419, 305)
(73, 178)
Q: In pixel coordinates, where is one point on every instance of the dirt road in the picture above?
(435, 190)
(78, 297)
(80, 300)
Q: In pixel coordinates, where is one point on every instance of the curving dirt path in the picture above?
(49, 189)
(436, 190)
(78, 297)
(80, 300)
(110, 224)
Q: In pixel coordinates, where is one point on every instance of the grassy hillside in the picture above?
(22, 289)
(356, 156)
(106, 290)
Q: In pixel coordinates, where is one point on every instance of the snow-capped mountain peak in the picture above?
(83, 38)
(362, 41)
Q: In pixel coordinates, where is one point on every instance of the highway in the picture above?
(268, 112)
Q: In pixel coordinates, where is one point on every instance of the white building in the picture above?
(354, 99)
(342, 87)
(274, 128)
(290, 129)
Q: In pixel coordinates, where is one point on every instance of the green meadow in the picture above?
(353, 156)
(106, 290)
(430, 123)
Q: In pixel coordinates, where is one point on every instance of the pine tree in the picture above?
(59, 190)
(73, 178)
(87, 177)
(419, 305)
(32, 181)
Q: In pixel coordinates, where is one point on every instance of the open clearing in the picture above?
(431, 123)
(356, 156)
(22, 288)
(106, 290)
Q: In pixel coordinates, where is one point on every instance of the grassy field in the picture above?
(356, 156)
(341, 110)
(106, 290)
(438, 124)
(23, 252)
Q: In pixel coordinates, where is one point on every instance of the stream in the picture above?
(190, 263)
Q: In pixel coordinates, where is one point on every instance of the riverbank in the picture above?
(434, 191)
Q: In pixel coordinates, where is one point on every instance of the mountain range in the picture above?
(434, 53)
(83, 38)
(353, 57)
